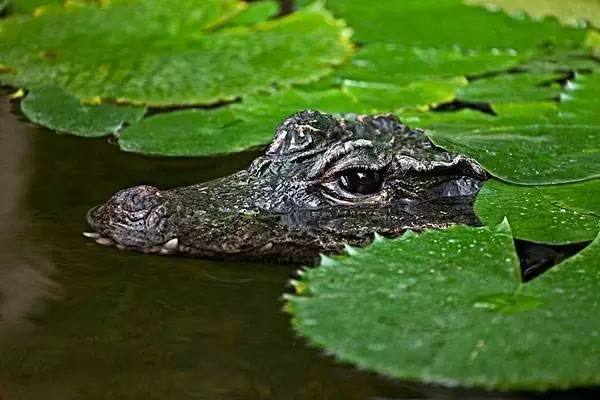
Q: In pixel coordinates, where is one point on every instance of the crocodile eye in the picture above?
(361, 182)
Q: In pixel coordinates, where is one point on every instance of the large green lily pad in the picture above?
(446, 23)
(145, 52)
(449, 307)
(555, 214)
(59, 111)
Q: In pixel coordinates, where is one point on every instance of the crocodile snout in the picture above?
(132, 218)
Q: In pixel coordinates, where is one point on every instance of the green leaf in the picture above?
(510, 88)
(187, 133)
(145, 52)
(59, 111)
(449, 307)
(580, 102)
(30, 6)
(528, 147)
(581, 196)
(445, 23)
(252, 123)
(573, 12)
(564, 61)
(397, 63)
(592, 43)
(377, 97)
(556, 214)
(257, 11)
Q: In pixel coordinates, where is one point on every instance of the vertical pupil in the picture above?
(361, 181)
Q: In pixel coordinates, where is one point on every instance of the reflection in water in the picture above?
(21, 285)
(125, 325)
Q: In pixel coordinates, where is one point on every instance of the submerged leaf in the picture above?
(556, 214)
(449, 307)
(59, 111)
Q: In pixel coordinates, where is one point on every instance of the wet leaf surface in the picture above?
(143, 52)
(398, 63)
(511, 88)
(257, 11)
(57, 110)
(420, 24)
(573, 12)
(29, 6)
(555, 214)
(449, 307)
(523, 146)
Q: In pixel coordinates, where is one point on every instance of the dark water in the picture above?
(80, 321)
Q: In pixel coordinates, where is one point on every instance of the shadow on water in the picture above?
(80, 321)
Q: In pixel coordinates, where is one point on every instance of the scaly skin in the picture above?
(322, 183)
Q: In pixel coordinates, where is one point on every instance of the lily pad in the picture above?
(187, 133)
(145, 52)
(29, 6)
(592, 43)
(581, 196)
(510, 88)
(257, 11)
(531, 148)
(573, 12)
(562, 61)
(397, 63)
(449, 307)
(59, 111)
(580, 102)
(555, 214)
(448, 23)
(252, 122)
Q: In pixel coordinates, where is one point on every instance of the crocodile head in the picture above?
(323, 182)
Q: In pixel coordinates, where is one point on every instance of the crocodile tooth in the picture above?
(104, 241)
(267, 246)
(121, 247)
(91, 235)
(171, 245)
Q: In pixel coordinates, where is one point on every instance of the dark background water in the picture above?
(81, 321)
